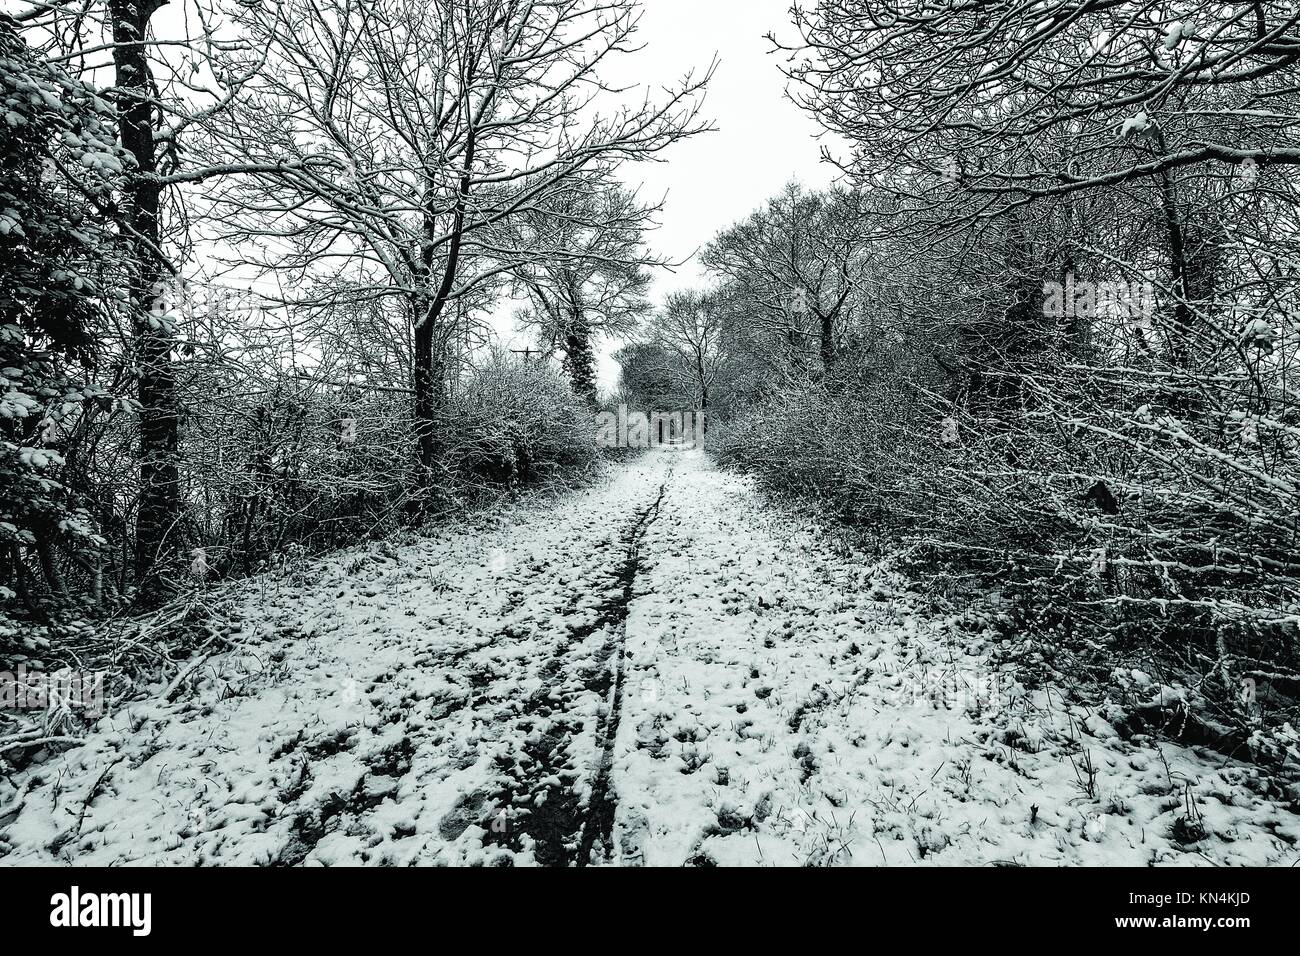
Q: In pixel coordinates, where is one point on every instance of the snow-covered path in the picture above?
(658, 669)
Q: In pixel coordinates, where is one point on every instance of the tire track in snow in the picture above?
(563, 826)
(600, 812)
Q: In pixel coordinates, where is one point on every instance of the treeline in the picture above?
(1044, 332)
(248, 257)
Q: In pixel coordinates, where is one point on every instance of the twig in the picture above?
(18, 801)
(39, 741)
(175, 685)
(94, 792)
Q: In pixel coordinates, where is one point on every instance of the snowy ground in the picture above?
(659, 669)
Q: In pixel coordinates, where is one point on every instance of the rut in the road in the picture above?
(601, 807)
(562, 828)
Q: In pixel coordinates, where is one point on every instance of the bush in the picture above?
(515, 422)
(1124, 523)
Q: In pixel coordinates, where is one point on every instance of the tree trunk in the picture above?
(159, 508)
(49, 565)
(704, 398)
(1180, 344)
(827, 341)
(580, 359)
(429, 361)
(429, 397)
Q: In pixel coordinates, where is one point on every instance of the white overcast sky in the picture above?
(762, 140)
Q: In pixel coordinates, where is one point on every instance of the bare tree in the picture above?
(688, 332)
(162, 93)
(797, 261)
(589, 275)
(440, 123)
(977, 111)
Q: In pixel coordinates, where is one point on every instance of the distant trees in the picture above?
(646, 379)
(796, 262)
(684, 342)
(790, 289)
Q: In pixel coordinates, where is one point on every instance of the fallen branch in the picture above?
(94, 792)
(175, 685)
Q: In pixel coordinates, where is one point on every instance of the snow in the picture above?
(1137, 126)
(661, 669)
